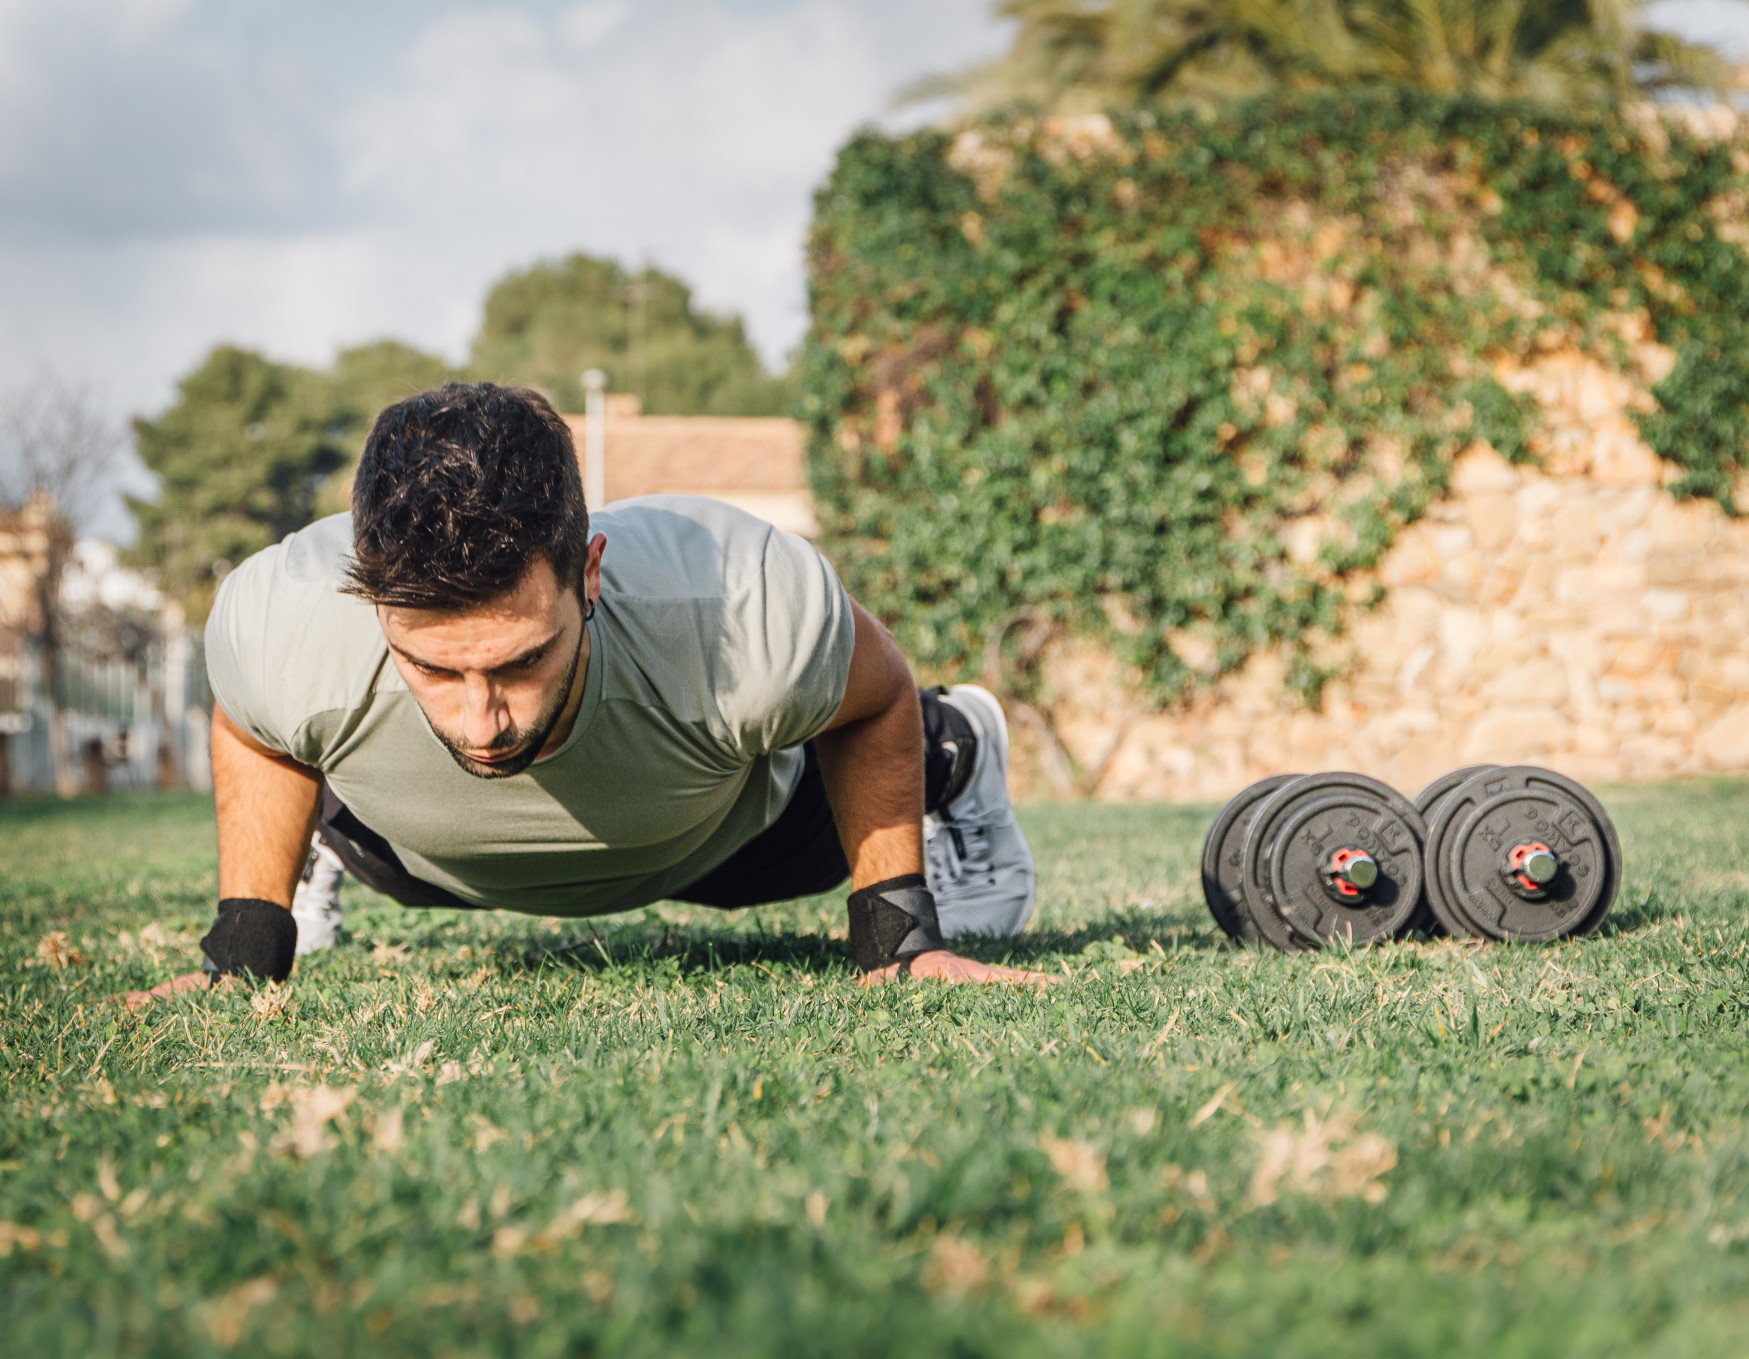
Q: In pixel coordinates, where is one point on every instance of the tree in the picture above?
(545, 325)
(361, 382)
(1081, 56)
(365, 379)
(57, 451)
(252, 450)
(242, 458)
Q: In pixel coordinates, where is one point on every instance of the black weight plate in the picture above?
(1223, 858)
(1515, 816)
(1309, 835)
(1569, 813)
(1428, 799)
(1268, 819)
(1437, 889)
(1427, 803)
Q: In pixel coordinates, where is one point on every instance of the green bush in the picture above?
(1177, 385)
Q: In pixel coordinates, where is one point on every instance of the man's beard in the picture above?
(526, 741)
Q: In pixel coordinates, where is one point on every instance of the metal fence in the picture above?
(131, 723)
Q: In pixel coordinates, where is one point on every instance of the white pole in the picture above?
(176, 690)
(595, 439)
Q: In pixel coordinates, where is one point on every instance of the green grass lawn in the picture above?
(692, 1132)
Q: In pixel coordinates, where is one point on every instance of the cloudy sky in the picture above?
(300, 174)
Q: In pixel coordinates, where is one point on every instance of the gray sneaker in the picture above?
(316, 903)
(978, 862)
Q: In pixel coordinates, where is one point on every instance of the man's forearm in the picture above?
(873, 771)
(265, 806)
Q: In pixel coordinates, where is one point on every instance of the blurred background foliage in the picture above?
(1082, 56)
(1033, 373)
(1176, 380)
(253, 449)
(545, 325)
(241, 458)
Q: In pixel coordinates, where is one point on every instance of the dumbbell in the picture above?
(1297, 860)
(1502, 853)
(1517, 852)
(1427, 801)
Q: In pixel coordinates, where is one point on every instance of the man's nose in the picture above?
(483, 711)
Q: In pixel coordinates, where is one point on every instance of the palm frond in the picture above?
(1077, 55)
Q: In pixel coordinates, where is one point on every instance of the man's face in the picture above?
(495, 681)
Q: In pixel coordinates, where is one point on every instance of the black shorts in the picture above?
(797, 855)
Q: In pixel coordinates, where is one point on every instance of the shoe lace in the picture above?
(953, 847)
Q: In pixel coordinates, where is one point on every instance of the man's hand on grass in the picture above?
(940, 965)
(189, 981)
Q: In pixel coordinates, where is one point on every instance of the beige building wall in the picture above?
(24, 549)
(753, 463)
(24, 555)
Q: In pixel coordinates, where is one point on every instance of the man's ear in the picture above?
(592, 571)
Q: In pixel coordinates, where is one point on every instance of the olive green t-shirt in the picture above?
(719, 645)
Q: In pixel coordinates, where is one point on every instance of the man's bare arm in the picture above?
(871, 760)
(266, 805)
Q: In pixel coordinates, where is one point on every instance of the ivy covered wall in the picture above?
(1176, 384)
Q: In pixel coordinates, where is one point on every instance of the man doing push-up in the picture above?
(474, 694)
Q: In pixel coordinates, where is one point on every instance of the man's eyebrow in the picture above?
(410, 658)
(533, 653)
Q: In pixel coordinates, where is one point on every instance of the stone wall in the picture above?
(1571, 614)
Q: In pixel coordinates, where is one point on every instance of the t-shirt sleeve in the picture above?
(289, 658)
(239, 650)
(798, 634)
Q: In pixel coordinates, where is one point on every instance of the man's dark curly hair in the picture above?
(459, 491)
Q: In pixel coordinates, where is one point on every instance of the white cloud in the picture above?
(174, 173)
(588, 24)
(687, 152)
(299, 174)
(1724, 23)
(116, 121)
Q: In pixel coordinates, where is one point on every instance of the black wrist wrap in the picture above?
(892, 921)
(251, 936)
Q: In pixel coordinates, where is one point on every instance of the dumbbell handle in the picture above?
(1353, 871)
(1534, 865)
